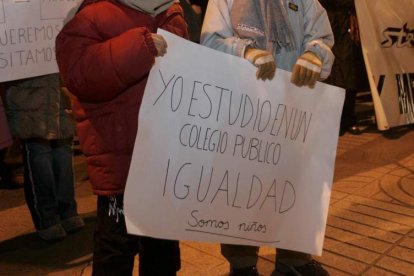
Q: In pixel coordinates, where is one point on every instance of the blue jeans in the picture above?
(49, 181)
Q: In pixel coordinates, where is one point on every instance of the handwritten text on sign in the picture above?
(223, 157)
(27, 36)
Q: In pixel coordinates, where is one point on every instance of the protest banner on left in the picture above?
(27, 36)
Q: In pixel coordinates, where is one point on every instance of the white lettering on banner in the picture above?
(387, 48)
(400, 37)
(223, 157)
(27, 36)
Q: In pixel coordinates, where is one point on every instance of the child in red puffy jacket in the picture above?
(105, 53)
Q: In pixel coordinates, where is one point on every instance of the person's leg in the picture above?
(290, 262)
(63, 171)
(348, 118)
(158, 257)
(242, 258)
(65, 187)
(292, 257)
(114, 250)
(39, 183)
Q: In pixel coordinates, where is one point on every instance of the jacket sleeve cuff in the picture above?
(240, 46)
(324, 53)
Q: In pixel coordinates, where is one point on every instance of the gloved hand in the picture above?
(160, 44)
(307, 70)
(263, 60)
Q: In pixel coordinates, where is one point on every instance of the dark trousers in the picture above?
(348, 117)
(115, 250)
(49, 181)
(240, 256)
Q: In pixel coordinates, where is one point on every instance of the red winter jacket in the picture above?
(104, 55)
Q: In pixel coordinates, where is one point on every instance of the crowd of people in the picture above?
(104, 54)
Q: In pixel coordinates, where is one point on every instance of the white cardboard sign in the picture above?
(223, 157)
(28, 30)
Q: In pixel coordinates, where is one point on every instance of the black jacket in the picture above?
(348, 70)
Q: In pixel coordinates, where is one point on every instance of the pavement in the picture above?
(370, 229)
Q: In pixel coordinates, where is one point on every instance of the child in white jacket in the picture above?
(293, 35)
